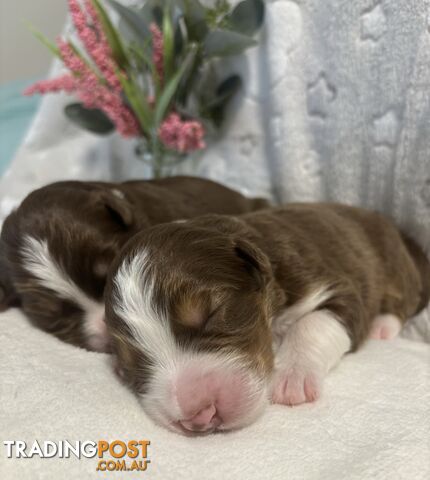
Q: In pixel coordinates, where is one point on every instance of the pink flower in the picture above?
(90, 31)
(95, 94)
(96, 88)
(66, 83)
(182, 135)
(157, 50)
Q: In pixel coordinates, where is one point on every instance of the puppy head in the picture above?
(187, 309)
(58, 246)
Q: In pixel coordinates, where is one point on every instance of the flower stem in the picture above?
(157, 159)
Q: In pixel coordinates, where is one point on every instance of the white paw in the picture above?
(385, 327)
(295, 386)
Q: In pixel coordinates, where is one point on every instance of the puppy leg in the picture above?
(311, 347)
(385, 327)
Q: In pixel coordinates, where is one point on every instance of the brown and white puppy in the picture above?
(56, 248)
(213, 317)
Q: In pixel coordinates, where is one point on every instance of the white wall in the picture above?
(21, 55)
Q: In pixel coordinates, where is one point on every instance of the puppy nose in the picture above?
(203, 421)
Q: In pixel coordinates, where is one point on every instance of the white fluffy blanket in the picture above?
(372, 422)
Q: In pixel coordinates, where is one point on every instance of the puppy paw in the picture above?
(296, 386)
(385, 327)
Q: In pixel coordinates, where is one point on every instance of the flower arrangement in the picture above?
(153, 76)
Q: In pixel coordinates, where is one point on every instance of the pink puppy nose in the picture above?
(206, 419)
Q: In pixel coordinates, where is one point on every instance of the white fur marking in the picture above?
(311, 347)
(39, 262)
(135, 305)
(307, 304)
(118, 193)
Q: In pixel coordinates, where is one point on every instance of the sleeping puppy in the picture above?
(56, 248)
(213, 317)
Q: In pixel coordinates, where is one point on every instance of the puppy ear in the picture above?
(256, 263)
(118, 207)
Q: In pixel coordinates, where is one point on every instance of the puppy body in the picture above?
(369, 267)
(262, 305)
(56, 248)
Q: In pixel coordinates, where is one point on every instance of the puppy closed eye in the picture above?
(197, 314)
(211, 317)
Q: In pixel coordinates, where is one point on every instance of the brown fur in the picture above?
(85, 225)
(236, 274)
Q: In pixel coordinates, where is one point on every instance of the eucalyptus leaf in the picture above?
(195, 19)
(226, 90)
(247, 17)
(158, 15)
(193, 10)
(135, 21)
(93, 120)
(146, 11)
(220, 43)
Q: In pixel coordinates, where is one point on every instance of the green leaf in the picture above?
(44, 40)
(171, 88)
(226, 90)
(93, 120)
(112, 35)
(146, 11)
(82, 57)
(180, 36)
(195, 19)
(189, 79)
(157, 13)
(133, 19)
(168, 44)
(220, 43)
(142, 54)
(138, 102)
(247, 17)
(216, 16)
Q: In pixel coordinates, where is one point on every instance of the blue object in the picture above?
(16, 113)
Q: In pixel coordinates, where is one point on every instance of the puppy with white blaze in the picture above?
(213, 318)
(57, 246)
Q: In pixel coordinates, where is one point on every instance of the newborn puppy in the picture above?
(213, 317)
(56, 248)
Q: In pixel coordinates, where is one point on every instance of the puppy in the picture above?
(213, 317)
(56, 248)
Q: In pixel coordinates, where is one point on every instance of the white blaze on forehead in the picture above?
(134, 303)
(39, 262)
